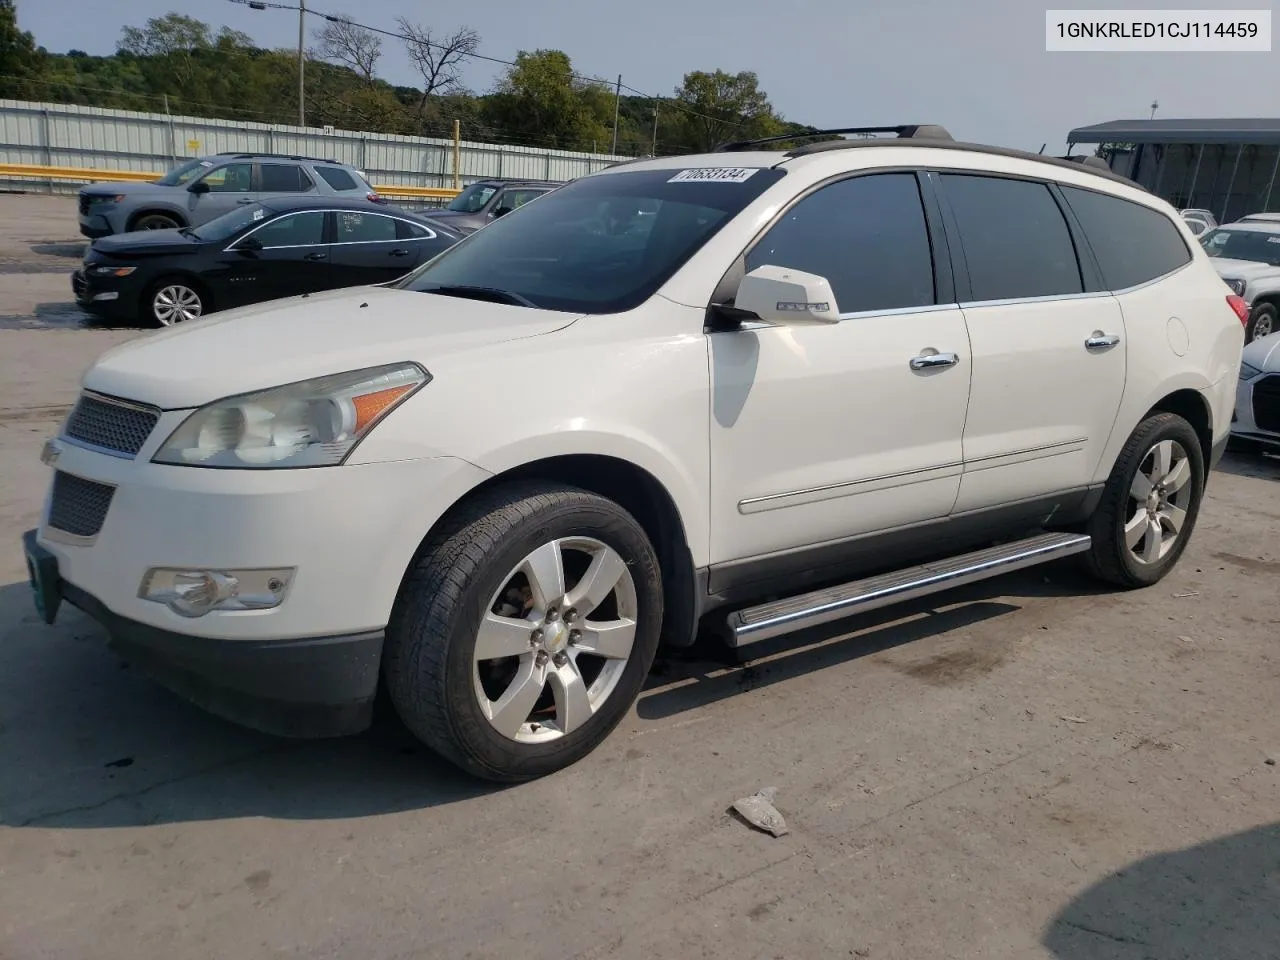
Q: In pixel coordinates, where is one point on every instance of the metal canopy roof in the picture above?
(1248, 130)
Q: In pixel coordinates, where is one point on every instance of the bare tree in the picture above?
(438, 59)
(342, 41)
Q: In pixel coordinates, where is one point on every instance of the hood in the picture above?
(1263, 353)
(284, 341)
(1243, 269)
(127, 188)
(140, 242)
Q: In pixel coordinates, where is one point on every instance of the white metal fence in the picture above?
(56, 134)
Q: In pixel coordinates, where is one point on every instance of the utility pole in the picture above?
(302, 95)
(617, 102)
(653, 151)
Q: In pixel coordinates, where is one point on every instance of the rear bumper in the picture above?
(313, 687)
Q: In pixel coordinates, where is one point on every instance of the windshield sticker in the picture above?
(259, 214)
(1273, 239)
(714, 175)
(206, 163)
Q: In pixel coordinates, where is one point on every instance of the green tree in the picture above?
(722, 106)
(542, 102)
(23, 62)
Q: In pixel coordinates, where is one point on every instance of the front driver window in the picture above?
(296, 230)
(232, 178)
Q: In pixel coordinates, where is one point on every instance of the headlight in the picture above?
(1248, 371)
(1237, 287)
(314, 423)
(106, 270)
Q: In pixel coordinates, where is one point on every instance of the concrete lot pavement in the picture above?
(1030, 768)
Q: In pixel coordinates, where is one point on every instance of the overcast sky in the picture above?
(978, 67)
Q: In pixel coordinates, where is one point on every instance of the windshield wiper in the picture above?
(492, 294)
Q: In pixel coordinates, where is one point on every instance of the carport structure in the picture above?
(1228, 167)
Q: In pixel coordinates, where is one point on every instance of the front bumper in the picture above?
(111, 297)
(1257, 410)
(318, 687)
(94, 226)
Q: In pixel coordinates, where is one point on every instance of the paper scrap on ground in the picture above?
(759, 811)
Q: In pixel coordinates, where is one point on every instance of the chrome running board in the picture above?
(769, 620)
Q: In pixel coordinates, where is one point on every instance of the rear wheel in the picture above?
(175, 300)
(155, 221)
(1262, 322)
(1150, 503)
(524, 632)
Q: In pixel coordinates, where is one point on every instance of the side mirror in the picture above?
(198, 187)
(500, 211)
(784, 296)
(249, 243)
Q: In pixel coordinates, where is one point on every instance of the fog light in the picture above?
(193, 593)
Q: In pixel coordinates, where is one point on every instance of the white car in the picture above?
(1256, 424)
(1247, 257)
(816, 381)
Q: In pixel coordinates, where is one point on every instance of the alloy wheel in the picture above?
(1159, 496)
(175, 303)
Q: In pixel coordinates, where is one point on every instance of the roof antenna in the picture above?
(1155, 105)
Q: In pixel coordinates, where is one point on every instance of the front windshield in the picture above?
(184, 173)
(1259, 246)
(602, 244)
(472, 199)
(231, 223)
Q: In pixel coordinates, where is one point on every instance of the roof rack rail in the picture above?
(929, 131)
(1087, 161)
(250, 154)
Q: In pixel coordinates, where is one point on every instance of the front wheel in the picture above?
(525, 631)
(155, 221)
(175, 301)
(1150, 503)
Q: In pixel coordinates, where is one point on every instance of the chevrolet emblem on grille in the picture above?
(51, 452)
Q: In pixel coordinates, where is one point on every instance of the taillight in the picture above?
(1240, 307)
(375, 198)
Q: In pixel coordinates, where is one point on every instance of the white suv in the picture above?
(759, 389)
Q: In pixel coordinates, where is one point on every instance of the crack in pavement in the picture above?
(1113, 937)
(143, 791)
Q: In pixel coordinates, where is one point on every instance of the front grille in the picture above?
(78, 506)
(1266, 403)
(84, 205)
(110, 424)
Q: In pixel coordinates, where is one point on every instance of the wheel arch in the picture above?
(1193, 407)
(641, 494)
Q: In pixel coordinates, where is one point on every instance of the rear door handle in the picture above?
(1100, 340)
(315, 256)
(399, 253)
(927, 361)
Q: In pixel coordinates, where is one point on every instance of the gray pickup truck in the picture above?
(1247, 257)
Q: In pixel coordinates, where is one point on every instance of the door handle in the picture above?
(927, 361)
(399, 253)
(315, 256)
(1099, 340)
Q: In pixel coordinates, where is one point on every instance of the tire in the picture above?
(169, 301)
(155, 221)
(1117, 558)
(1262, 321)
(446, 693)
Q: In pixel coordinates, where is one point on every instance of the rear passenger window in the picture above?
(284, 178)
(364, 227)
(866, 235)
(336, 178)
(411, 231)
(1133, 243)
(1016, 241)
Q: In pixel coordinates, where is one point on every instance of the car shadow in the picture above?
(71, 249)
(1263, 466)
(60, 315)
(1216, 900)
(87, 742)
(710, 671)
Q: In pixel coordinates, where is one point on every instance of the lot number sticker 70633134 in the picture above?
(714, 175)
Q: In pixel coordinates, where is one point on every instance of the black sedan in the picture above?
(256, 252)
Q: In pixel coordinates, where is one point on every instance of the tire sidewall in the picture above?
(589, 517)
(139, 221)
(1141, 444)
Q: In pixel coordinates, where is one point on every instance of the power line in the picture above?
(332, 18)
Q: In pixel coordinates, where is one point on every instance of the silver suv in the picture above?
(208, 187)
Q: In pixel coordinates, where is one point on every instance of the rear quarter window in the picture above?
(1133, 243)
(337, 179)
